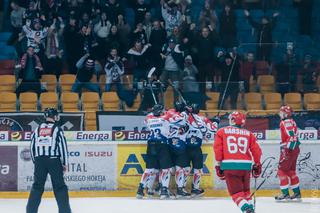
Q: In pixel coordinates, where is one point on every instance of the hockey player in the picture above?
(234, 148)
(158, 155)
(177, 142)
(289, 152)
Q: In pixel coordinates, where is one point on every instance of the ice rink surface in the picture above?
(131, 205)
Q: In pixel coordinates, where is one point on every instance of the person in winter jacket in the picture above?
(171, 15)
(114, 70)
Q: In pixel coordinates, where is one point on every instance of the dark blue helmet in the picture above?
(157, 109)
(195, 108)
(50, 112)
(179, 106)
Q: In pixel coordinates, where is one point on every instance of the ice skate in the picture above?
(182, 194)
(140, 193)
(197, 193)
(282, 197)
(164, 194)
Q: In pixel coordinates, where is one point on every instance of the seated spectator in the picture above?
(114, 70)
(190, 71)
(248, 69)
(54, 48)
(86, 69)
(139, 57)
(171, 16)
(173, 62)
(309, 74)
(30, 72)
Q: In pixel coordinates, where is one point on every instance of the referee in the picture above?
(49, 154)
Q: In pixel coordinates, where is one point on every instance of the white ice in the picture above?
(131, 205)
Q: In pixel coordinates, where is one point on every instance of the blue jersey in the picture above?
(197, 130)
(177, 133)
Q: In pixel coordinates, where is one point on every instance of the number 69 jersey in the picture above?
(235, 148)
(158, 127)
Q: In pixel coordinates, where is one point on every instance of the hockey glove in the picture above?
(220, 173)
(256, 170)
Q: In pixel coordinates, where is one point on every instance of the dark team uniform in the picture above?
(49, 154)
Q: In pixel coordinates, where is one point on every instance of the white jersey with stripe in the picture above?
(158, 127)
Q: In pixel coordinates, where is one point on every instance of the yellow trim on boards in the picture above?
(208, 193)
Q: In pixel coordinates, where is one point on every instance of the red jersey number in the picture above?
(236, 145)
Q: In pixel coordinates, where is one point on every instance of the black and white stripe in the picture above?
(56, 147)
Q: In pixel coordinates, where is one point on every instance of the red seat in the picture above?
(7, 67)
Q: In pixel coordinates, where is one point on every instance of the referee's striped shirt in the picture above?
(48, 140)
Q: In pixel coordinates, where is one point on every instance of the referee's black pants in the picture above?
(43, 166)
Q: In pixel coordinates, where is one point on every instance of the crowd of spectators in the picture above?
(82, 37)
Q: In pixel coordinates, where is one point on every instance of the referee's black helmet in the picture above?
(51, 112)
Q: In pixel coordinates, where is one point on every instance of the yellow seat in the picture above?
(110, 101)
(90, 101)
(102, 82)
(7, 83)
(8, 102)
(93, 80)
(28, 101)
(136, 104)
(266, 83)
(66, 82)
(252, 84)
(262, 67)
(48, 99)
(169, 98)
(213, 103)
(312, 101)
(49, 82)
(256, 112)
(273, 100)
(70, 102)
(253, 101)
(293, 100)
(90, 121)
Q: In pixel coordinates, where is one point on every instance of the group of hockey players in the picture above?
(175, 140)
(174, 144)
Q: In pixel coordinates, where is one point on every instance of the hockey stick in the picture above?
(257, 188)
(254, 196)
(226, 87)
(152, 70)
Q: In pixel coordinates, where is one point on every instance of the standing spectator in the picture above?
(139, 57)
(102, 30)
(171, 16)
(227, 66)
(190, 71)
(309, 74)
(228, 28)
(157, 39)
(305, 8)
(173, 64)
(139, 34)
(114, 70)
(248, 69)
(113, 10)
(16, 19)
(208, 16)
(54, 50)
(205, 44)
(140, 10)
(185, 10)
(30, 73)
(264, 32)
(123, 33)
(147, 24)
(283, 76)
(86, 70)
(293, 66)
(114, 39)
(73, 44)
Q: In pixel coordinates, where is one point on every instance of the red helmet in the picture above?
(285, 111)
(237, 118)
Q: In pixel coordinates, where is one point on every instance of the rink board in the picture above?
(114, 169)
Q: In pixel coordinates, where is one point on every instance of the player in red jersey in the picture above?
(235, 148)
(289, 152)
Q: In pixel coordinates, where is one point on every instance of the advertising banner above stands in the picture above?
(27, 121)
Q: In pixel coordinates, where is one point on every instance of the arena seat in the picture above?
(212, 104)
(262, 68)
(90, 101)
(49, 82)
(110, 101)
(169, 98)
(7, 83)
(256, 112)
(48, 99)
(90, 121)
(136, 104)
(28, 101)
(7, 67)
(66, 82)
(69, 102)
(102, 82)
(312, 101)
(273, 100)
(8, 102)
(253, 101)
(293, 100)
(266, 83)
